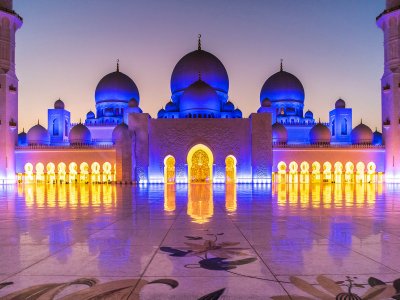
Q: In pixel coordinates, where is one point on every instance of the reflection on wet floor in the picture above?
(118, 230)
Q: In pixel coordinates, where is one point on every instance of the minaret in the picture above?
(10, 22)
(389, 22)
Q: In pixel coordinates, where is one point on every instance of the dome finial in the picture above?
(361, 120)
(199, 76)
(281, 64)
(38, 122)
(199, 42)
(118, 65)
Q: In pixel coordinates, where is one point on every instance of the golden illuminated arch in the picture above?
(282, 167)
(230, 169)
(293, 167)
(169, 169)
(305, 167)
(200, 164)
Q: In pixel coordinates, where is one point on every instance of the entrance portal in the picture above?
(200, 163)
(169, 169)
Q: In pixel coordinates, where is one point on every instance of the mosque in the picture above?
(200, 135)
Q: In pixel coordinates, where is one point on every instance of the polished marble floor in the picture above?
(186, 242)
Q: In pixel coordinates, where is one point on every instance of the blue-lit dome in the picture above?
(171, 106)
(22, 138)
(376, 139)
(361, 134)
(279, 134)
(282, 86)
(228, 106)
(116, 87)
(200, 97)
(38, 135)
(120, 132)
(90, 115)
(187, 71)
(320, 134)
(80, 134)
(309, 115)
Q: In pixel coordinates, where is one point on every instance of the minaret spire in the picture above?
(199, 42)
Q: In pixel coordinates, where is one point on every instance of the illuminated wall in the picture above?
(158, 138)
(66, 155)
(330, 154)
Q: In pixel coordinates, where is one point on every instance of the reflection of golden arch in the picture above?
(230, 169)
(316, 172)
(200, 202)
(169, 169)
(200, 164)
(169, 197)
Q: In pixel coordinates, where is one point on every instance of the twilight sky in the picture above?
(66, 47)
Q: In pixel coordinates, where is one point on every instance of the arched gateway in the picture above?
(200, 164)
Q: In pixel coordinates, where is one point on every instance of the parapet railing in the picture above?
(13, 12)
(55, 147)
(315, 146)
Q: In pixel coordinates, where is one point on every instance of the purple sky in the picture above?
(66, 47)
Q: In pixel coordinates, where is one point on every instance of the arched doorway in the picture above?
(230, 169)
(200, 164)
(169, 169)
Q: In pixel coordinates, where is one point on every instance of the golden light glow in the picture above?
(230, 198)
(169, 169)
(200, 163)
(230, 169)
(304, 172)
(327, 173)
(200, 202)
(169, 197)
(293, 170)
(316, 172)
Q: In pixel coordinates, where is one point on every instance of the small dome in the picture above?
(120, 132)
(133, 103)
(340, 104)
(22, 138)
(80, 134)
(237, 113)
(90, 115)
(38, 135)
(161, 113)
(59, 104)
(116, 87)
(282, 86)
(186, 72)
(320, 134)
(309, 115)
(200, 97)
(171, 106)
(279, 134)
(377, 138)
(266, 103)
(361, 134)
(228, 106)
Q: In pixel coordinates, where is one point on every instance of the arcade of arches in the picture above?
(73, 173)
(325, 172)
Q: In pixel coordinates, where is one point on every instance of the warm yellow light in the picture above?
(200, 164)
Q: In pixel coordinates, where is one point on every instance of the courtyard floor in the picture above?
(188, 242)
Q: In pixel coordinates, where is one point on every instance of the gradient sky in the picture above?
(66, 47)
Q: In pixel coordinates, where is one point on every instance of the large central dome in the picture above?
(282, 86)
(116, 87)
(187, 71)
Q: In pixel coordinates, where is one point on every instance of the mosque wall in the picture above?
(330, 154)
(65, 155)
(223, 136)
